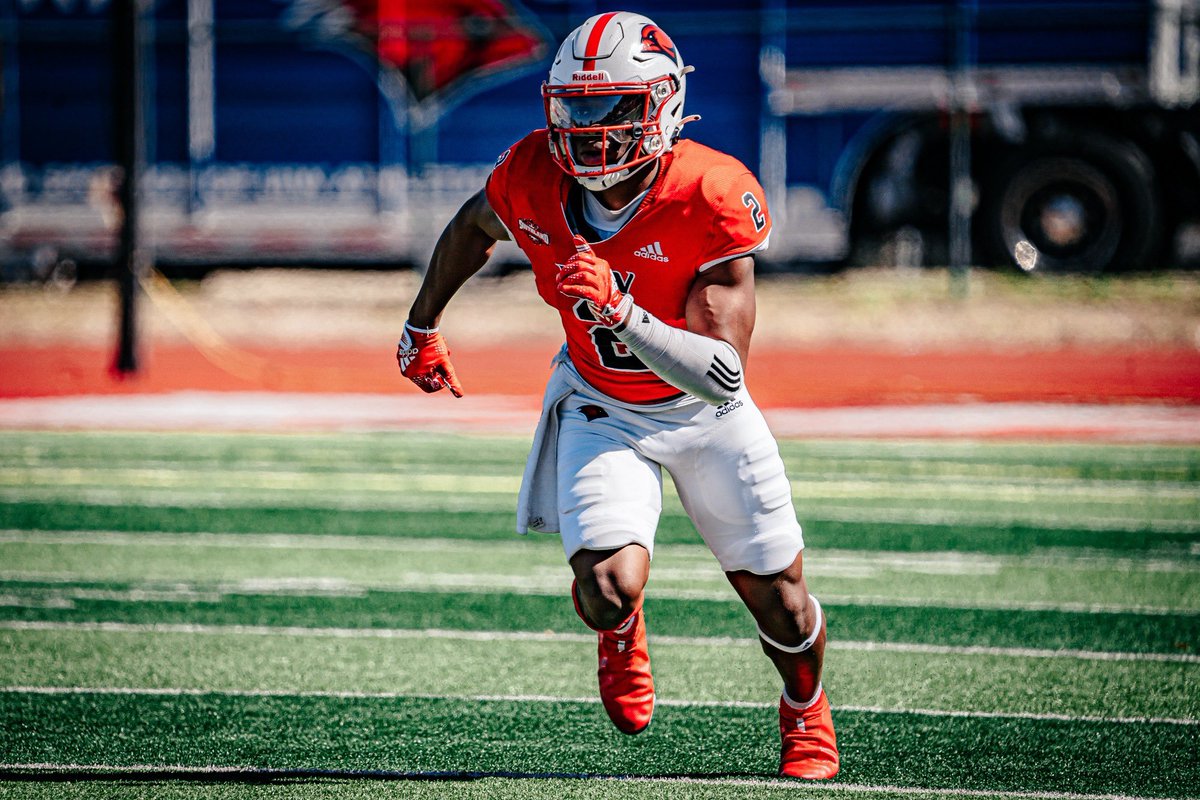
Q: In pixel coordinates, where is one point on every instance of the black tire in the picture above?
(901, 200)
(1084, 204)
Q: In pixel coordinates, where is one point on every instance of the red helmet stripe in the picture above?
(593, 42)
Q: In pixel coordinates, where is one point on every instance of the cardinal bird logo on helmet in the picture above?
(654, 40)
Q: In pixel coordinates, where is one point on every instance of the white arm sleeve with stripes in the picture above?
(707, 368)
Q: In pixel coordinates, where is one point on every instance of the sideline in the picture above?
(517, 415)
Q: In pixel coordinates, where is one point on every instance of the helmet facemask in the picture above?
(601, 132)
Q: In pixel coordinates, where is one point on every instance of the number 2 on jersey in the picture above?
(756, 212)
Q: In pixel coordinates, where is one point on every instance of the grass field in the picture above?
(350, 615)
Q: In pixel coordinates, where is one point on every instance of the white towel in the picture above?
(537, 502)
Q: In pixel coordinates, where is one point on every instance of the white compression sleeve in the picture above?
(707, 368)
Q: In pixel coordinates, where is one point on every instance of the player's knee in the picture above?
(802, 607)
(798, 616)
(610, 591)
(805, 611)
(609, 597)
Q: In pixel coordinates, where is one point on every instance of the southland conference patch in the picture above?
(531, 229)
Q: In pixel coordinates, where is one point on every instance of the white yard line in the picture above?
(537, 698)
(166, 771)
(536, 585)
(853, 788)
(1012, 652)
(367, 483)
(1000, 502)
(1002, 605)
(535, 636)
(1018, 515)
(829, 558)
(811, 509)
(323, 633)
(274, 479)
(266, 541)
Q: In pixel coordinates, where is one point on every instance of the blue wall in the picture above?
(287, 96)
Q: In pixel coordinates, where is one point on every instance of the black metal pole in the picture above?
(961, 188)
(130, 155)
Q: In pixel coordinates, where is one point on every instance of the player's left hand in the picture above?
(588, 277)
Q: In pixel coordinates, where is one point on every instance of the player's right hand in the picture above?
(425, 360)
(589, 277)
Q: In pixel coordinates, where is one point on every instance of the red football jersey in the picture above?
(703, 208)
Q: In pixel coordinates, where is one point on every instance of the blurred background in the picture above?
(287, 165)
(241, 554)
(1048, 136)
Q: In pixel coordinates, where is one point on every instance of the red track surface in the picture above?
(778, 377)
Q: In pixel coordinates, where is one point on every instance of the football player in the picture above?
(644, 243)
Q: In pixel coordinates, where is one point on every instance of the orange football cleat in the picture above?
(809, 748)
(626, 685)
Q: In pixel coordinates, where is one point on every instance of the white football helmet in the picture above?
(614, 99)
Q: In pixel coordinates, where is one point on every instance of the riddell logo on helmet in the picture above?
(590, 76)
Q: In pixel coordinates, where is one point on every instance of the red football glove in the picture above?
(425, 360)
(588, 277)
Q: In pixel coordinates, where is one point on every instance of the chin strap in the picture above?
(599, 183)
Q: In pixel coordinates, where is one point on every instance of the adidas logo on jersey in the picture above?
(651, 251)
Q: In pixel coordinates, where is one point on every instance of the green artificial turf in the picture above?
(476, 664)
(674, 527)
(1003, 617)
(321, 785)
(1001, 498)
(961, 627)
(447, 736)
